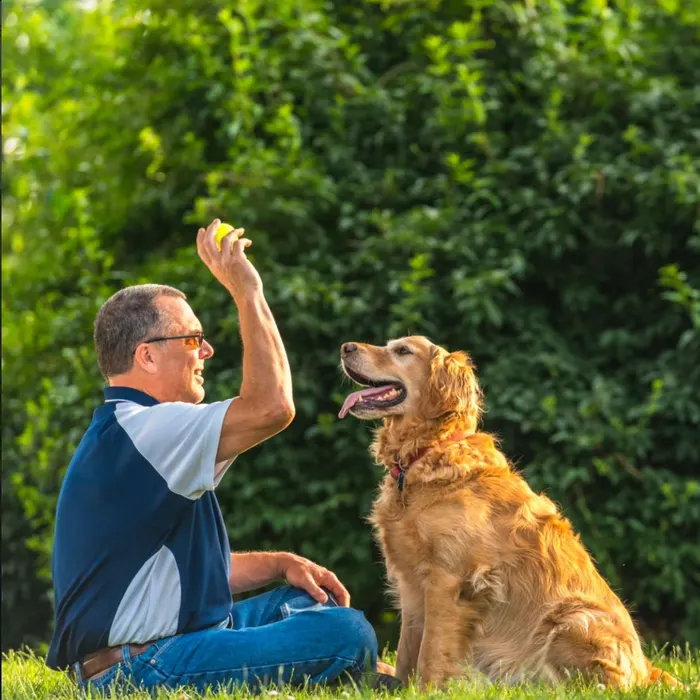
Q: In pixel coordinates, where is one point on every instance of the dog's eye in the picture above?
(403, 350)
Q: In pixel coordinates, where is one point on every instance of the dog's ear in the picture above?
(452, 386)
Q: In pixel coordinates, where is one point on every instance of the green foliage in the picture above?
(517, 179)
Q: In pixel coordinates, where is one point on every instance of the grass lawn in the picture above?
(25, 677)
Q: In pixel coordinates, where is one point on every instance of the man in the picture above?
(142, 570)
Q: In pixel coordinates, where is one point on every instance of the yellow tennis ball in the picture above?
(223, 230)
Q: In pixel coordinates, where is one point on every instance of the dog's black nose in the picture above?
(348, 348)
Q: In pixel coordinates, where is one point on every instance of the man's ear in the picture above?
(145, 358)
(452, 386)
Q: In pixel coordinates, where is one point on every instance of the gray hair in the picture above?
(126, 319)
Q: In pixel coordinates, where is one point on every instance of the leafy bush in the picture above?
(520, 180)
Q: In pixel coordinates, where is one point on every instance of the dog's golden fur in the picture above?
(487, 573)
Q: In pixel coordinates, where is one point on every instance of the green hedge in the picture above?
(517, 179)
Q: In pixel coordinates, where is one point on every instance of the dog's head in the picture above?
(409, 377)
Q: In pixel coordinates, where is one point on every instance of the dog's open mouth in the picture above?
(380, 394)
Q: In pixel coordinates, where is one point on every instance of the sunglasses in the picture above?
(191, 342)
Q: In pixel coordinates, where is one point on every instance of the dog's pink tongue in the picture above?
(364, 393)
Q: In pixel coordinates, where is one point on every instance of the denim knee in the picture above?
(357, 635)
(345, 632)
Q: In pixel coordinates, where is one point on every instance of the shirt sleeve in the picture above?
(180, 440)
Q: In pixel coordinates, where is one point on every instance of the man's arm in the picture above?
(251, 570)
(265, 404)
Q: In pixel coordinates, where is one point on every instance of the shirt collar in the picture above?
(125, 393)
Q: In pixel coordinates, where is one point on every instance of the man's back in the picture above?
(140, 548)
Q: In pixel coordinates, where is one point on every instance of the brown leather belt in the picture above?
(102, 660)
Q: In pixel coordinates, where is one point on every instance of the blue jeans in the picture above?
(279, 637)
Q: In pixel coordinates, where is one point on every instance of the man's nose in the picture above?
(349, 348)
(207, 350)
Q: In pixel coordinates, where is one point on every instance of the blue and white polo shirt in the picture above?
(140, 549)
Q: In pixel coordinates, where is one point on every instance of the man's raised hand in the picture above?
(230, 265)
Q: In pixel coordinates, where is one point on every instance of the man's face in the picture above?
(179, 367)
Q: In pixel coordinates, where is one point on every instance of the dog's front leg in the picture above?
(412, 621)
(445, 647)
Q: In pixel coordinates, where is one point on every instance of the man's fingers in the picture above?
(314, 590)
(240, 245)
(200, 241)
(228, 242)
(333, 584)
(211, 229)
(343, 596)
(209, 236)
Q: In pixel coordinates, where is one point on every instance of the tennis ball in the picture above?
(222, 231)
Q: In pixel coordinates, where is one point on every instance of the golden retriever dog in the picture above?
(488, 575)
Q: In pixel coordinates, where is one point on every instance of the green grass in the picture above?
(26, 677)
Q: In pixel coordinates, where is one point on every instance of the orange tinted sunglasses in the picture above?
(192, 342)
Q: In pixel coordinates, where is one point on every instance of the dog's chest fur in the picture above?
(396, 519)
(425, 526)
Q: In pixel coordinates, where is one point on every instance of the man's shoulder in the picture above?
(159, 430)
(161, 422)
(121, 439)
(161, 417)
